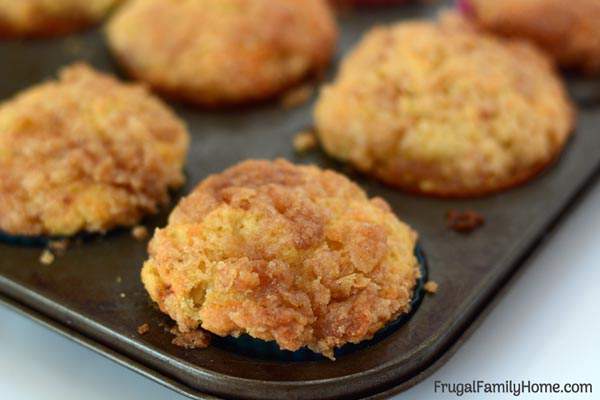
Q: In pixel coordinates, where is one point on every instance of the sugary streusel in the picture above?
(288, 253)
(86, 153)
(223, 51)
(568, 30)
(49, 17)
(442, 109)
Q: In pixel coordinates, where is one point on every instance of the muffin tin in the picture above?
(93, 293)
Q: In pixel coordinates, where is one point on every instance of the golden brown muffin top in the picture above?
(283, 252)
(223, 51)
(439, 108)
(40, 17)
(85, 152)
(567, 30)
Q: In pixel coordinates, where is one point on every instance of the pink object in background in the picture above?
(370, 2)
(465, 7)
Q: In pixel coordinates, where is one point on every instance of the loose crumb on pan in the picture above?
(198, 339)
(143, 329)
(119, 279)
(464, 221)
(59, 246)
(139, 232)
(305, 141)
(122, 295)
(431, 287)
(47, 258)
(297, 96)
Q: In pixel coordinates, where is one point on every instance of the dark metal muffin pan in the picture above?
(93, 293)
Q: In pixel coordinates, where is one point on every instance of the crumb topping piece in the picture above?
(305, 141)
(297, 96)
(143, 329)
(464, 221)
(139, 232)
(197, 339)
(47, 257)
(431, 287)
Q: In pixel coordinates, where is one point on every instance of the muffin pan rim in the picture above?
(395, 374)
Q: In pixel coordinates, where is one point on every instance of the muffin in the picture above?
(85, 153)
(440, 109)
(26, 18)
(568, 30)
(219, 52)
(285, 253)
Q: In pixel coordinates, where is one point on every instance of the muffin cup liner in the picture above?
(248, 346)
(45, 240)
(33, 241)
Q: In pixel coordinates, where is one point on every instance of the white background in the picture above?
(546, 328)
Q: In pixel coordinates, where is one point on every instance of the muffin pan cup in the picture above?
(93, 293)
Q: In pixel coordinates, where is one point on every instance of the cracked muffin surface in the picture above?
(24, 18)
(568, 30)
(86, 153)
(282, 252)
(219, 52)
(441, 109)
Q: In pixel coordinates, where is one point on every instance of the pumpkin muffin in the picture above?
(219, 52)
(281, 252)
(568, 30)
(85, 153)
(441, 109)
(28, 18)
